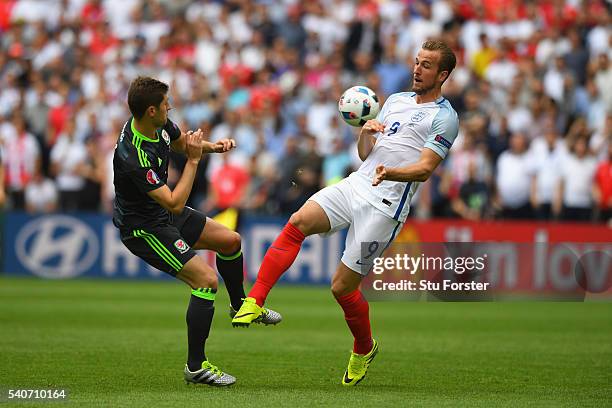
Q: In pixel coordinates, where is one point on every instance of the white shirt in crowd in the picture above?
(577, 176)
(41, 196)
(519, 119)
(547, 171)
(514, 172)
(21, 154)
(501, 72)
(68, 155)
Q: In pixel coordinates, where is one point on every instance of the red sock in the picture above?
(277, 260)
(356, 314)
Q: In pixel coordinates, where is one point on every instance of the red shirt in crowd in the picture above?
(603, 180)
(229, 183)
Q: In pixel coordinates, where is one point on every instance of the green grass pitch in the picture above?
(119, 344)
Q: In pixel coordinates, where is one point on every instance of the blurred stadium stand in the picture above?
(533, 88)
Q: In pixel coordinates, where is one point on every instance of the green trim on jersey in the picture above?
(140, 135)
(205, 293)
(143, 159)
(160, 249)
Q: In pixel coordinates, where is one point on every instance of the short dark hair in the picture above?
(145, 92)
(447, 56)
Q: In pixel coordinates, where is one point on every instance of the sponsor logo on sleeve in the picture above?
(152, 177)
(443, 141)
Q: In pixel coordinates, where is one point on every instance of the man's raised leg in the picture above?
(308, 220)
(230, 264)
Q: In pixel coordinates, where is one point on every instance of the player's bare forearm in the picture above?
(365, 144)
(174, 201)
(181, 192)
(221, 146)
(414, 172)
(366, 140)
(419, 171)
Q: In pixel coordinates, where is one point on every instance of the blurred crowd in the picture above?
(532, 87)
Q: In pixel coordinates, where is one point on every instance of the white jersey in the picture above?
(409, 127)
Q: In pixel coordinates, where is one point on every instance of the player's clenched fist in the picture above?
(381, 174)
(373, 126)
(193, 144)
(223, 145)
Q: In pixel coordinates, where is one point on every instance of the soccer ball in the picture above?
(357, 105)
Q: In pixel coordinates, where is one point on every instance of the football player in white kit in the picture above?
(401, 148)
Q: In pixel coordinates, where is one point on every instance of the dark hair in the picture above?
(447, 56)
(145, 92)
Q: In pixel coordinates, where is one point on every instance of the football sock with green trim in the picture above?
(231, 270)
(199, 318)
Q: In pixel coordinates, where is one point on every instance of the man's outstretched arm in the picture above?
(419, 171)
(221, 146)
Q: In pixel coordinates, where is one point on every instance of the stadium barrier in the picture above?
(63, 246)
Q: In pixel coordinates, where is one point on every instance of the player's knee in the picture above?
(299, 221)
(232, 244)
(295, 219)
(205, 279)
(339, 288)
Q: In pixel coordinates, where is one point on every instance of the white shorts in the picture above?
(366, 224)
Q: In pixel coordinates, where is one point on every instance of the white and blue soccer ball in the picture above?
(357, 105)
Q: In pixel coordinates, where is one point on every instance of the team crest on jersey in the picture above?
(166, 136)
(419, 116)
(152, 177)
(181, 246)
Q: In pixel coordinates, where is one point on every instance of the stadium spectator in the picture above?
(337, 164)
(228, 185)
(546, 154)
(554, 79)
(2, 192)
(602, 138)
(514, 177)
(302, 177)
(519, 117)
(92, 170)
(364, 37)
(22, 156)
(433, 199)
(502, 70)
(483, 56)
(577, 58)
(473, 201)
(574, 196)
(41, 194)
(603, 187)
(469, 150)
(68, 157)
(603, 78)
(263, 184)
